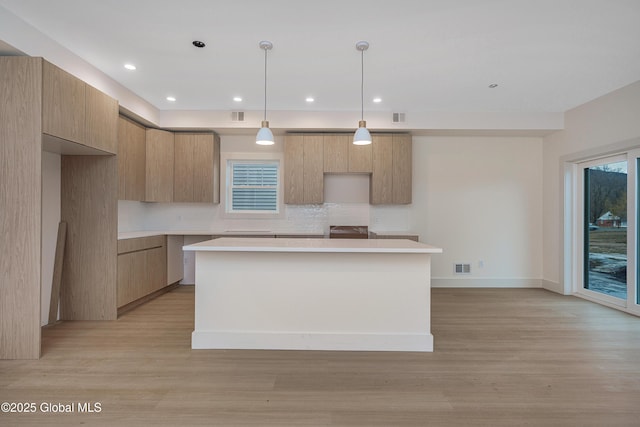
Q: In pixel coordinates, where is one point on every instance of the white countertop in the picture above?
(229, 244)
(137, 234)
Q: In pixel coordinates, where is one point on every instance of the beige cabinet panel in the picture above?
(132, 269)
(392, 174)
(203, 166)
(131, 160)
(197, 168)
(381, 188)
(293, 169)
(159, 166)
(303, 169)
(142, 270)
(402, 173)
(156, 269)
(101, 126)
(63, 104)
(313, 165)
(336, 153)
(89, 206)
(21, 206)
(360, 158)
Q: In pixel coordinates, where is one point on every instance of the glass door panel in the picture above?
(605, 229)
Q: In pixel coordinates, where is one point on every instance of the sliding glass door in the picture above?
(605, 228)
(608, 230)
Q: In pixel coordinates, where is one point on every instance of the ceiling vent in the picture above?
(398, 118)
(237, 116)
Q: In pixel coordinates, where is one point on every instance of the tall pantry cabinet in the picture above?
(43, 107)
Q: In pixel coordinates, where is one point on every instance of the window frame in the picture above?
(226, 159)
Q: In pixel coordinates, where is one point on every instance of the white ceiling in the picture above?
(425, 55)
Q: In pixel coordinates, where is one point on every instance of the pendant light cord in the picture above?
(362, 84)
(265, 84)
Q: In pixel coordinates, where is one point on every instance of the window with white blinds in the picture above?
(253, 186)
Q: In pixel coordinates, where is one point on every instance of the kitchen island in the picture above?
(313, 294)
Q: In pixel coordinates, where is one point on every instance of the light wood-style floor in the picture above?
(503, 357)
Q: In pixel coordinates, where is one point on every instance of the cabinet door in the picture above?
(159, 166)
(293, 169)
(313, 165)
(131, 160)
(101, 125)
(336, 153)
(132, 276)
(63, 104)
(196, 172)
(203, 160)
(360, 158)
(382, 176)
(156, 260)
(402, 168)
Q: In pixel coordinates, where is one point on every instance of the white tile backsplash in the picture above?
(137, 216)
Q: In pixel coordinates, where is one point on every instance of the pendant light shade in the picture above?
(362, 135)
(265, 136)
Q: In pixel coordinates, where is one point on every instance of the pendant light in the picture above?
(362, 135)
(264, 136)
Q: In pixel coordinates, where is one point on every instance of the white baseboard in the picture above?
(553, 286)
(454, 282)
(245, 340)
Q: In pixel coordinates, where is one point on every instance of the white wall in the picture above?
(603, 122)
(480, 199)
(50, 220)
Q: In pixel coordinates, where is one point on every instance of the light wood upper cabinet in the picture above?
(159, 166)
(74, 111)
(342, 156)
(360, 157)
(402, 172)
(131, 160)
(381, 188)
(313, 164)
(336, 153)
(293, 169)
(303, 169)
(197, 171)
(63, 104)
(391, 176)
(101, 121)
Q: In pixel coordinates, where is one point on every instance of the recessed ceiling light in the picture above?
(237, 99)
(171, 99)
(198, 43)
(309, 99)
(130, 67)
(377, 100)
(493, 85)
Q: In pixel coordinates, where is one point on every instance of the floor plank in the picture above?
(503, 357)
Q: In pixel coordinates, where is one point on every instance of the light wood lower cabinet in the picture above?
(142, 268)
